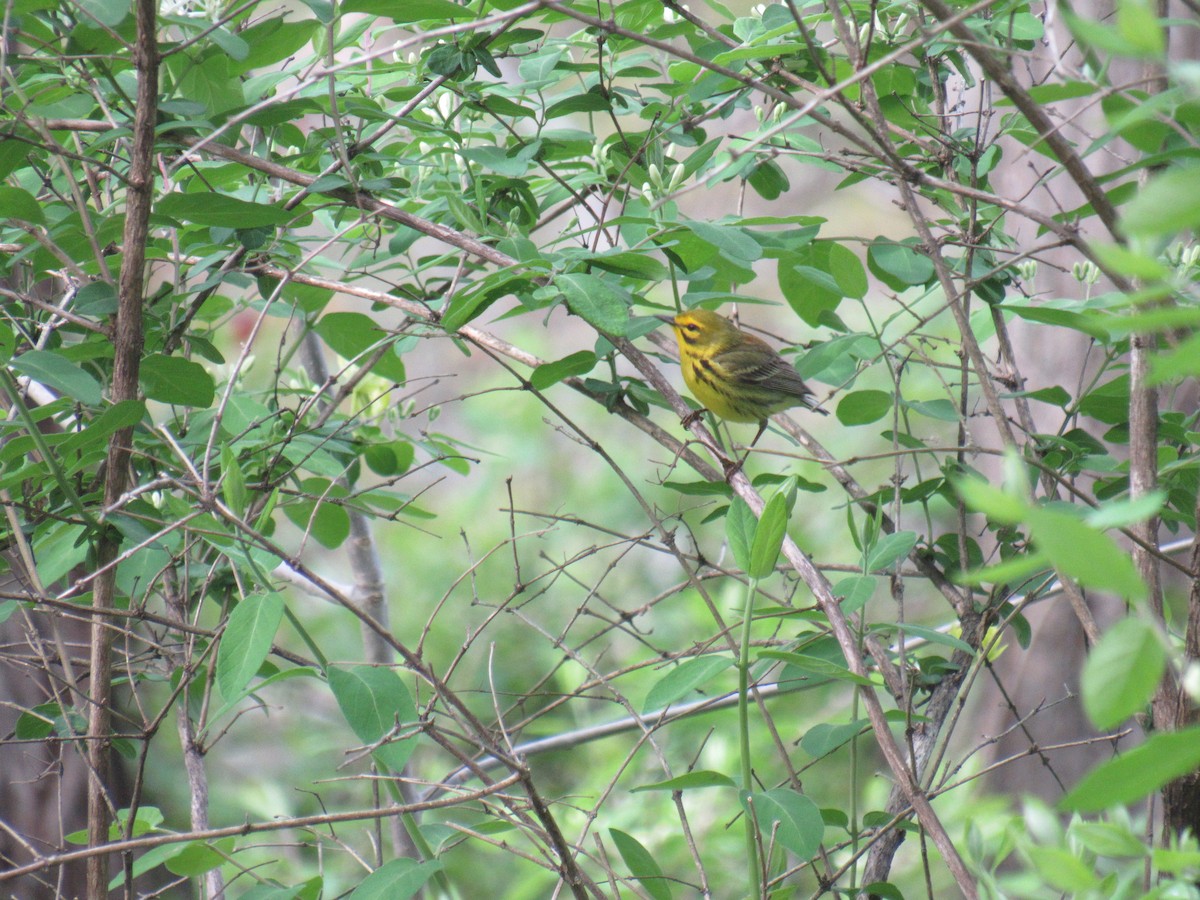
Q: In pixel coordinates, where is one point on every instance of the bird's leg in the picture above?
(730, 465)
(762, 426)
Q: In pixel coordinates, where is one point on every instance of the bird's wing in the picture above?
(770, 372)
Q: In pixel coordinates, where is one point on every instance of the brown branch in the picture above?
(997, 72)
(822, 592)
(103, 850)
(127, 356)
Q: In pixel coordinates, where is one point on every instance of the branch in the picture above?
(127, 357)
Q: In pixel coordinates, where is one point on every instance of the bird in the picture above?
(734, 375)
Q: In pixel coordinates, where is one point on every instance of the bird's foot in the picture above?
(732, 466)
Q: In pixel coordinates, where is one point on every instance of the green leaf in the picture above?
(792, 819)
(474, 301)
(57, 372)
(1088, 556)
(941, 409)
(602, 305)
(148, 861)
(1049, 315)
(1122, 672)
(1139, 27)
(59, 551)
(199, 857)
(826, 737)
(353, 336)
(125, 414)
(631, 264)
(19, 204)
(1136, 773)
(1125, 512)
(701, 488)
(817, 276)
(498, 160)
(691, 781)
(888, 549)
(731, 241)
(233, 480)
(1131, 262)
(1181, 361)
(740, 526)
(855, 591)
(551, 373)
(175, 380)
(212, 82)
(1010, 571)
(864, 407)
(683, 679)
(1169, 203)
(399, 879)
(642, 866)
(1000, 506)
(327, 521)
(374, 700)
(817, 665)
(1108, 402)
(932, 635)
(899, 265)
(107, 12)
(247, 640)
(221, 210)
(768, 537)
(37, 723)
(769, 180)
(1108, 839)
(592, 101)
(1178, 860)
(1055, 396)
(1062, 869)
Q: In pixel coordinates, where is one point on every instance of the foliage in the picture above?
(354, 301)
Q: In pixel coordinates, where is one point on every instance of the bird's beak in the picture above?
(670, 320)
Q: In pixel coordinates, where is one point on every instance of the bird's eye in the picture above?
(692, 327)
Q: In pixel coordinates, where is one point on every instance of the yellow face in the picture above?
(701, 329)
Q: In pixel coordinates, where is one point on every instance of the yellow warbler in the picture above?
(735, 375)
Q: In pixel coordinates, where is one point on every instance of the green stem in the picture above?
(49, 457)
(744, 739)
